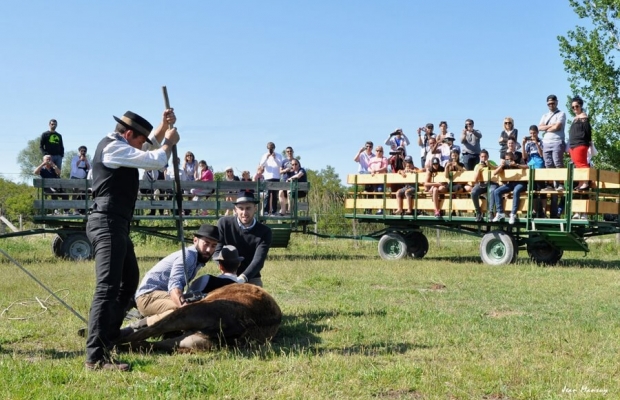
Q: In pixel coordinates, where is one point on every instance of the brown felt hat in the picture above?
(136, 123)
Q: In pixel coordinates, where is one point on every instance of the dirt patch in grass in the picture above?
(399, 394)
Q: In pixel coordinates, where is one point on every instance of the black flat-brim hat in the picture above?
(228, 253)
(136, 123)
(208, 231)
(246, 197)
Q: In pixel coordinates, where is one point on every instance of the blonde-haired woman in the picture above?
(190, 167)
(509, 130)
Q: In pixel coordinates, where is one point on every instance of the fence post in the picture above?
(316, 229)
(21, 223)
(356, 240)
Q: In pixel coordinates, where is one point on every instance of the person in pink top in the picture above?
(206, 175)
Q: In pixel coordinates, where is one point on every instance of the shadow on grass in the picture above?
(326, 257)
(588, 263)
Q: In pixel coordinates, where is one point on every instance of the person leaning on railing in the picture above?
(49, 170)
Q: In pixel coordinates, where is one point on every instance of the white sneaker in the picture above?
(560, 188)
(577, 216)
(499, 217)
(511, 221)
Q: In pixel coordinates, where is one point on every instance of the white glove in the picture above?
(242, 279)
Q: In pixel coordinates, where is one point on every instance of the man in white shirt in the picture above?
(272, 162)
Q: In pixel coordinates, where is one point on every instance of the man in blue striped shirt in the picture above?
(161, 290)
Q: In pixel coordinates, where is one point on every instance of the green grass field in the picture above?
(355, 326)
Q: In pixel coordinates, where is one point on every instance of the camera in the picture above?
(396, 132)
(528, 138)
(483, 163)
(506, 163)
(395, 153)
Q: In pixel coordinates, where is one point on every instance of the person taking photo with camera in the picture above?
(510, 162)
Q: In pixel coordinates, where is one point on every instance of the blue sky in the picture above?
(320, 76)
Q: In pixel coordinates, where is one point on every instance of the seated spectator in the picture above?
(509, 130)
(435, 188)
(190, 167)
(49, 170)
(454, 165)
(245, 177)
(150, 176)
(396, 160)
(258, 176)
(397, 139)
(231, 194)
(408, 190)
(299, 175)
(516, 187)
(170, 177)
(204, 174)
(481, 186)
(446, 147)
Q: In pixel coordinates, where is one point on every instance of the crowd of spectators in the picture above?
(544, 147)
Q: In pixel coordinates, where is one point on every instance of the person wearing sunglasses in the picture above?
(508, 130)
(299, 175)
(551, 128)
(580, 138)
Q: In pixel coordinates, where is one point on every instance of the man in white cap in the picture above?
(251, 238)
(446, 148)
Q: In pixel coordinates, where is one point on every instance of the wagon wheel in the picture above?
(392, 246)
(497, 248)
(543, 253)
(77, 247)
(417, 244)
(57, 246)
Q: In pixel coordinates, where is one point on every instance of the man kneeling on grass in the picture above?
(228, 261)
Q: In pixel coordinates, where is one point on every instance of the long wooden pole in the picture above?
(177, 190)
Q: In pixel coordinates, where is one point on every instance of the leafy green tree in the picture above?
(16, 199)
(589, 55)
(326, 198)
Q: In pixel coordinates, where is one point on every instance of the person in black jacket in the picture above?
(251, 238)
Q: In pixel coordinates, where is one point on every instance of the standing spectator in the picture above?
(443, 131)
(470, 139)
(423, 142)
(481, 186)
(363, 157)
(397, 139)
(552, 128)
(79, 170)
(516, 187)
(115, 189)
(51, 143)
(190, 167)
(272, 162)
(378, 165)
(509, 130)
(286, 171)
(299, 175)
(533, 157)
(251, 238)
(580, 138)
(230, 177)
(434, 151)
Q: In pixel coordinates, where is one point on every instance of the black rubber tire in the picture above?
(497, 248)
(392, 246)
(417, 244)
(544, 254)
(77, 247)
(57, 246)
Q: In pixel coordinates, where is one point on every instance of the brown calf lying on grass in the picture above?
(233, 314)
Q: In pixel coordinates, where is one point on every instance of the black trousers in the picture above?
(271, 201)
(117, 278)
